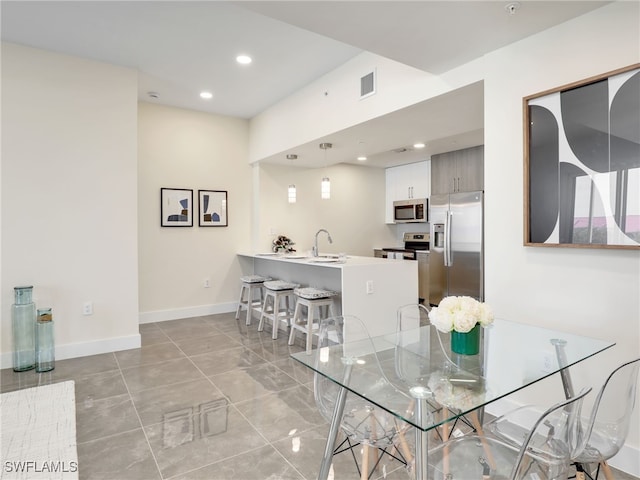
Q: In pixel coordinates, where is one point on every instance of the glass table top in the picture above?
(393, 371)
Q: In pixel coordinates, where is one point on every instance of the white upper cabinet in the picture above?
(405, 182)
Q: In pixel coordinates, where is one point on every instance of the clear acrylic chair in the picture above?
(362, 422)
(606, 429)
(417, 349)
(544, 451)
(413, 315)
(601, 434)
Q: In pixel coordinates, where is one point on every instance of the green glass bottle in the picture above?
(45, 345)
(23, 322)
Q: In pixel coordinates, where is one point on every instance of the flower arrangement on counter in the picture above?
(282, 244)
(460, 314)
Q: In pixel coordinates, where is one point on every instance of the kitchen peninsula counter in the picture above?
(369, 288)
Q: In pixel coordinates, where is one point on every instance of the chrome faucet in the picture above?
(314, 251)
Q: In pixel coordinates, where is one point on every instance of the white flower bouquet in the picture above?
(460, 314)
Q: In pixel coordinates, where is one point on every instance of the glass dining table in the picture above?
(437, 385)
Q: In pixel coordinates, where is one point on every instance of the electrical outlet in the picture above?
(206, 283)
(87, 308)
(369, 287)
(548, 361)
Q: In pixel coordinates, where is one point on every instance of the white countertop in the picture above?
(331, 260)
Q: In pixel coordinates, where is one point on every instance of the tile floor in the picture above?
(203, 398)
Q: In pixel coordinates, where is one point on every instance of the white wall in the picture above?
(69, 222)
(354, 215)
(589, 291)
(185, 149)
(332, 103)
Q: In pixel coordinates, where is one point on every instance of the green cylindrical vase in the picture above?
(23, 318)
(466, 343)
(45, 345)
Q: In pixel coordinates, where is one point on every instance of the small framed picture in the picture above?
(214, 417)
(212, 206)
(178, 428)
(176, 207)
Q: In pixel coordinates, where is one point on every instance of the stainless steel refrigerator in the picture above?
(456, 254)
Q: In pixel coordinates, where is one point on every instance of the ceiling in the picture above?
(181, 48)
(448, 122)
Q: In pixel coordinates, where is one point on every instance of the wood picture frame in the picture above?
(582, 163)
(212, 208)
(176, 207)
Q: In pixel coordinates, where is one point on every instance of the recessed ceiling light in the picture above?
(153, 94)
(418, 145)
(206, 95)
(243, 59)
(362, 158)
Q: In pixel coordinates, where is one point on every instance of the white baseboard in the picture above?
(75, 350)
(178, 313)
(107, 345)
(626, 460)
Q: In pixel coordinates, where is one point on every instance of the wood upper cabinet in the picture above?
(458, 171)
(405, 182)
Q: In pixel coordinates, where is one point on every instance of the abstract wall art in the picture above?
(176, 207)
(582, 163)
(212, 205)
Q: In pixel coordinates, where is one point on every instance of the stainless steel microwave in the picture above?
(415, 210)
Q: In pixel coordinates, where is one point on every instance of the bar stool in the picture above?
(312, 299)
(251, 284)
(275, 292)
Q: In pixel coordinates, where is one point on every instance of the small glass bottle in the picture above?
(45, 345)
(23, 323)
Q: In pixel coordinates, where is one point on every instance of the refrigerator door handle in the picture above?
(447, 239)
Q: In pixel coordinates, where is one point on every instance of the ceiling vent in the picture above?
(368, 84)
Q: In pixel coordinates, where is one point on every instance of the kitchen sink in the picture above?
(326, 260)
(330, 258)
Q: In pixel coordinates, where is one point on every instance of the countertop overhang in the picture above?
(330, 260)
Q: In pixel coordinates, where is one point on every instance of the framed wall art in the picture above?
(582, 163)
(176, 207)
(212, 207)
(214, 417)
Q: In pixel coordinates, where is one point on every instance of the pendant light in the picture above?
(291, 191)
(325, 186)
